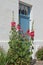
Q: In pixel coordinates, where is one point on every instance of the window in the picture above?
(23, 10)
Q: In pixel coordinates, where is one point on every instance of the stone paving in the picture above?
(39, 63)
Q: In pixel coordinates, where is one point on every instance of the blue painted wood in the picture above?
(24, 23)
(24, 16)
(29, 10)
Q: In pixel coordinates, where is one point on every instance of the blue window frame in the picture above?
(24, 17)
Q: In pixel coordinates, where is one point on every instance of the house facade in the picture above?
(6, 8)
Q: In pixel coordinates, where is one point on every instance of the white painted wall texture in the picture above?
(37, 11)
(6, 8)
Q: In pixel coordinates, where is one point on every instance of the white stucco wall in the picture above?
(37, 11)
(6, 8)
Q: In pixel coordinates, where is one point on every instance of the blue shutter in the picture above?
(24, 22)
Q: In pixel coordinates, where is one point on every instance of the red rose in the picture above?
(32, 34)
(28, 32)
(13, 24)
(18, 27)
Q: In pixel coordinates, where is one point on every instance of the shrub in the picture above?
(20, 50)
(39, 54)
(2, 56)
